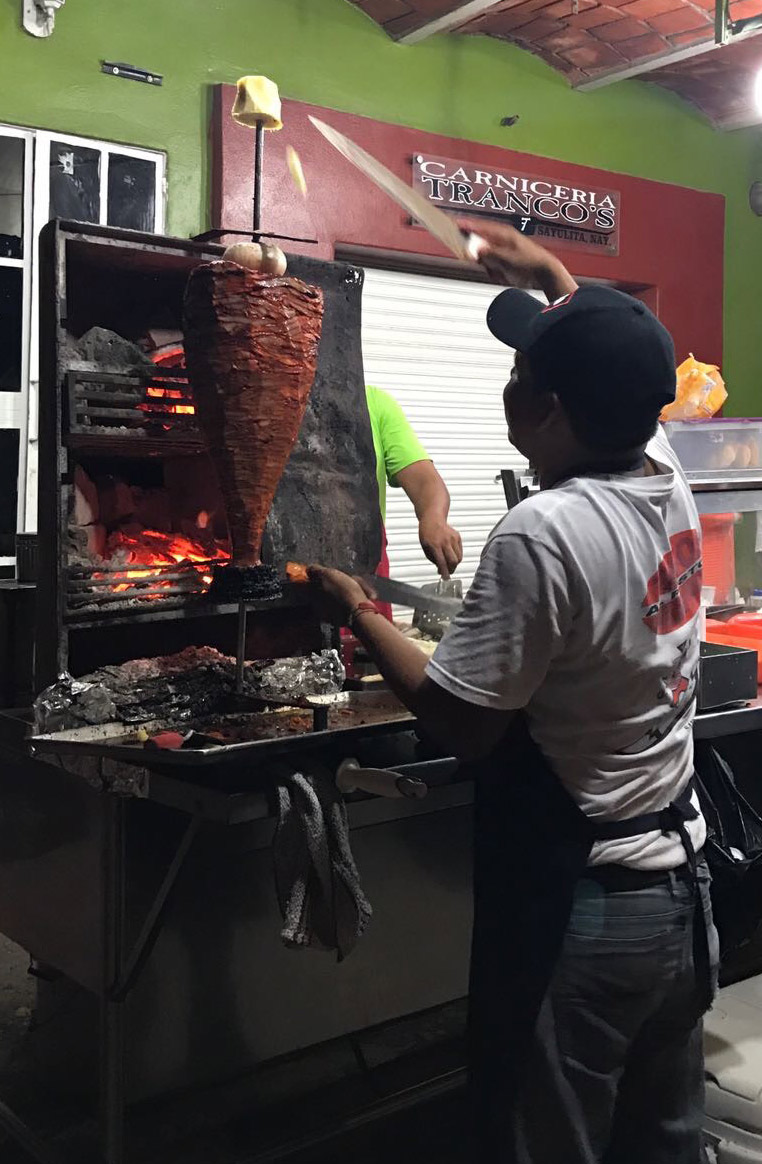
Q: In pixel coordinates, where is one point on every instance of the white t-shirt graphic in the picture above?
(584, 611)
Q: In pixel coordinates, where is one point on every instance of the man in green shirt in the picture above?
(402, 461)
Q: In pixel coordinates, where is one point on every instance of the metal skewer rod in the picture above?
(240, 658)
(259, 151)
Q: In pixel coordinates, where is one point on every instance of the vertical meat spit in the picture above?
(251, 345)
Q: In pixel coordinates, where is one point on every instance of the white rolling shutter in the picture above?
(425, 341)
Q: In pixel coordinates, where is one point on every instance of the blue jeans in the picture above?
(617, 1074)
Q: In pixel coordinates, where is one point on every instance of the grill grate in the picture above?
(109, 404)
(108, 587)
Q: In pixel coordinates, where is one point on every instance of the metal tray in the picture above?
(115, 741)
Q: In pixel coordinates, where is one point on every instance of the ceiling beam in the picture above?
(739, 121)
(639, 68)
(664, 60)
(449, 21)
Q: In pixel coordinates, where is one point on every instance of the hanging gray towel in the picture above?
(317, 881)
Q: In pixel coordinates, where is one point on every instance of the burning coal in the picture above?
(125, 545)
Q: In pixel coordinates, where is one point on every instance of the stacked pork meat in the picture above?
(251, 345)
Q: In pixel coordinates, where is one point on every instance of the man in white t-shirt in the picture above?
(570, 675)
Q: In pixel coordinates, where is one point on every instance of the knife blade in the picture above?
(403, 594)
(463, 245)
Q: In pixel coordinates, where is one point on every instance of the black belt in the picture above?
(620, 879)
(671, 819)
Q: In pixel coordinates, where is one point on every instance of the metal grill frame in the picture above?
(88, 404)
(63, 439)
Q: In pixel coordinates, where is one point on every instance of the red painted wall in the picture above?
(671, 238)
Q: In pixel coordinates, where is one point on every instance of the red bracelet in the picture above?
(361, 608)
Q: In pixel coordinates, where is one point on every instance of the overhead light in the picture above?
(758, 92)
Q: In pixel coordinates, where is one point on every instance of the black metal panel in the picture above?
(51, 644)
(9, 471)
(727, 675)
(17, 607)
(220, 994)
(326, 507)
(51, 866)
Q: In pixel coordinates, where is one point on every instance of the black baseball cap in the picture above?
(597, 345)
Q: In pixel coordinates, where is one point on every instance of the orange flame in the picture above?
(151, 549)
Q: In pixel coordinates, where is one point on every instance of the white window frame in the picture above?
(14, 409)
(20, 410)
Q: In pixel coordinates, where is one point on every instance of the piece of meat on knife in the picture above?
(251, 345)
(296, 572)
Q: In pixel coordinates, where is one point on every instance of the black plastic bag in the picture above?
(733, 850)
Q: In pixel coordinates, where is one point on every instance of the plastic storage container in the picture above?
(719, 445)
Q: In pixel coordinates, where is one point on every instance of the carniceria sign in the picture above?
(546, 208)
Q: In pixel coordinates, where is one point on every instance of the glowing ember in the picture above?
(152, 548)
(148, 554)
(159, 401)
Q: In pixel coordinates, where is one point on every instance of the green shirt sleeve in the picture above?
(392, 434)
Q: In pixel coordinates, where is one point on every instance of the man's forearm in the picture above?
(517, 260)
(431, 500)
(401, 663)
(427, 491)
(403, 666)
(554, 279)
(461, 729)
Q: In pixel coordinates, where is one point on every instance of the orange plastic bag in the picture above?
(700, 393)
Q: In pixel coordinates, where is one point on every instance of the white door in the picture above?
(425, 341)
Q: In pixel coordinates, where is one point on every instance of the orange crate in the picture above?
(743, 630)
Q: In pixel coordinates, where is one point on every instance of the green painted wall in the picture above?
(329, 53)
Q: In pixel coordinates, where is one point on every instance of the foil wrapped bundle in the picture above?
(296, 677)
(195, 683)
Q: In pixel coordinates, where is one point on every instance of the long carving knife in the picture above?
(463, 245)
(403, 594)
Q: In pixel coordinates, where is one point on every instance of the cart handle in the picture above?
(350, 777)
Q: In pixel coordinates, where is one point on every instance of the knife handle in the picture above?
(350, 777)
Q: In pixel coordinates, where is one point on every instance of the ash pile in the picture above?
(197, 682)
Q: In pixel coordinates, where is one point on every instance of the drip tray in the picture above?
(238, 737)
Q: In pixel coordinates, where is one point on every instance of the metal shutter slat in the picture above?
(425, 341)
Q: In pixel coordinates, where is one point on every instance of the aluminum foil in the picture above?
(70, 702)
(294, 678)
(179, 688)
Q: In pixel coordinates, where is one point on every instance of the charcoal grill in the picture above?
(112, 786)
